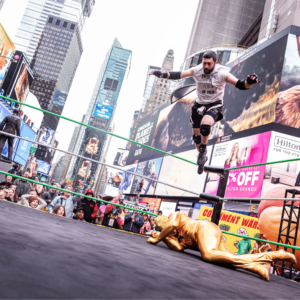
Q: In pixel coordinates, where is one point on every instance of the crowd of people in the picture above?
(68, 205)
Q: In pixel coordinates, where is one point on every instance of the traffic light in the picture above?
(252, 208)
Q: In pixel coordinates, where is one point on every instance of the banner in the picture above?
(60, 98)
(232, 222)
(245, 182)
(103, 111)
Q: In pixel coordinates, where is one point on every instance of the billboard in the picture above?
(233, 222)
(103, 111)
(182, 174)
(60, 98)
(121, 157)
(150, 169)
(245, 182)
(127, 179)
(43, 167)
(255, 107)
(288, 109)
(7, 49)
(46, 136)
(279, 177)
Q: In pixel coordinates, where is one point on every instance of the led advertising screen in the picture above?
(60, 98)
(121, 157)
(43, 167)
(103, 111)
(7, 49)
(46, 136)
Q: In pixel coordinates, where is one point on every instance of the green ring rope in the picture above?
(144, 212)
(110, 133)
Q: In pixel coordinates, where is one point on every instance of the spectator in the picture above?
(152, 223)
(160, 212)
(7, 183)
(4, 194)
(79, 214)
(39, 188)
(113, 216)
(67, 200)
(13, 186)
(12, 195)
(244, 246)
(32, 192)
(90, 207)
(51, 194)
(23, 186)
(146, 228)
(59, 210)
(33, 201)
(133, 221)
(260, 247)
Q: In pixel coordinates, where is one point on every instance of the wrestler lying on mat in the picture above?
(180, 232)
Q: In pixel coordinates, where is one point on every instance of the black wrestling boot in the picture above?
(201, 160)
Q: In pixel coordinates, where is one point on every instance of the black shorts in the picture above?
(214, 110)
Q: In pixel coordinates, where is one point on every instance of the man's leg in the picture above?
(210, 243)
(10, 141)
(2, 143)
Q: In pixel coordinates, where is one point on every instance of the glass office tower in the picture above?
(1, 4)
(49, 34)
(101, 111)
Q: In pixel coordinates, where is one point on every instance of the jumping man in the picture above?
(210, 79)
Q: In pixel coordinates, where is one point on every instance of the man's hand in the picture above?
(159, 74)
(251, 79)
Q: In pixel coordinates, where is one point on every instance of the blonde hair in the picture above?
(230, 158)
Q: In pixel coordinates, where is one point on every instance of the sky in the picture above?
(148, 28)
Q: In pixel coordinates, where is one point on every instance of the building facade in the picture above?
(50, 35)
(101, 111)
(222, 22)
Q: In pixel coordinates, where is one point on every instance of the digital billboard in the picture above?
(60, 98)
(7, 49)
(46, 136)
(43, 167)
(103, 111)
(121, 157)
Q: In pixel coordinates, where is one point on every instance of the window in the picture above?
(160, 85)
(164, 86)
(72, 27)
(166, 81)
(155, 97)
(50, 20)
(57, 22)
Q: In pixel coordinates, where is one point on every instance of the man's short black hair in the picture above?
(210, 54)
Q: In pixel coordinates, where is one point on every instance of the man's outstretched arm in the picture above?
(173, 75)
(242, 85)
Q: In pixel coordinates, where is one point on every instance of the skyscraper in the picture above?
(222, 22)
(1, 4)
(49, 34)
(157, 91)
(101, 111)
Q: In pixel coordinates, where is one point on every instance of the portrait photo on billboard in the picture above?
(127, 179)
(244, 182)
(279, 177)
(255, 107)
(7, 49)
(150, 169)
(182, 174)
(92, 142)
(288, 103)
(144, 135)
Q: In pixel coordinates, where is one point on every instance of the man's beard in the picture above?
(208, 71)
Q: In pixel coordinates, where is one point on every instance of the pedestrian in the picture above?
(146, 228)
(79, 214)
(66, 200)
(244, 246)
(59, 210)
(90, 207)
(113, 215)
(33, 202)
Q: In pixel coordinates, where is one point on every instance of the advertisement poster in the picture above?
(114, 177)
(127, 179)
(235, 223)
(46, 136)
(256, 106)
(121, 158)
(246, 182)
(279, 177)
(144, 135)
(167, 207)
(103, 111)
(150, 169)
(92, 142)
(288, 108)
(152, 203)
(60, 98)
(43, 167)
(7, 49)
(182, 174)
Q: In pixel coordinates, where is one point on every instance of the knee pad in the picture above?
(205, 130)
(197, 139)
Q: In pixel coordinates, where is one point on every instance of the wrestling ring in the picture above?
(65, 259)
